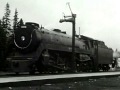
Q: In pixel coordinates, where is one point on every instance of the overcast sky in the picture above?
(98, 19)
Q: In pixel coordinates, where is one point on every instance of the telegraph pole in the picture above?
(72, 20)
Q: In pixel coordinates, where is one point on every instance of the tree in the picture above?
(7, 16)
(3, 22)
(2, 45)
(6, 21)
(20, 23)
(0, 23)
(15, 20)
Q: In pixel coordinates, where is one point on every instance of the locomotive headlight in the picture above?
(23, 38)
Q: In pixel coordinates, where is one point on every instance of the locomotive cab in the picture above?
(102, 55)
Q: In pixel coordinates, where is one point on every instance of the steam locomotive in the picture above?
(34, 48)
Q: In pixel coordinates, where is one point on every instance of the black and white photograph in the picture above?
(59, 45)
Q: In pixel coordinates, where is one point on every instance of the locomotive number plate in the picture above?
(23, 27)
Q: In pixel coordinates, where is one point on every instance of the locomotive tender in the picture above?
(38, 49)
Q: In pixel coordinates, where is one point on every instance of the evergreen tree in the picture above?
(0, 23)
(20, 23)
(6, 21)
(7, 16)
(15, 20)
(2, 45)
(3, 23)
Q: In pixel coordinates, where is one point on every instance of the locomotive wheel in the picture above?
(40, 67)
(32, 69)
(106, 67)
(17, 73)
(31, 72)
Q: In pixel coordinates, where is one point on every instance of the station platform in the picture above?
(47, 79)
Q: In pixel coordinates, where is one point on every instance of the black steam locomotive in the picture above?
(38, 49)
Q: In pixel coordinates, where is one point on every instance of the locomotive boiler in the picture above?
(34, 48)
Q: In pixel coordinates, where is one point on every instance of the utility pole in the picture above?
(72, 20)
(79, 32)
